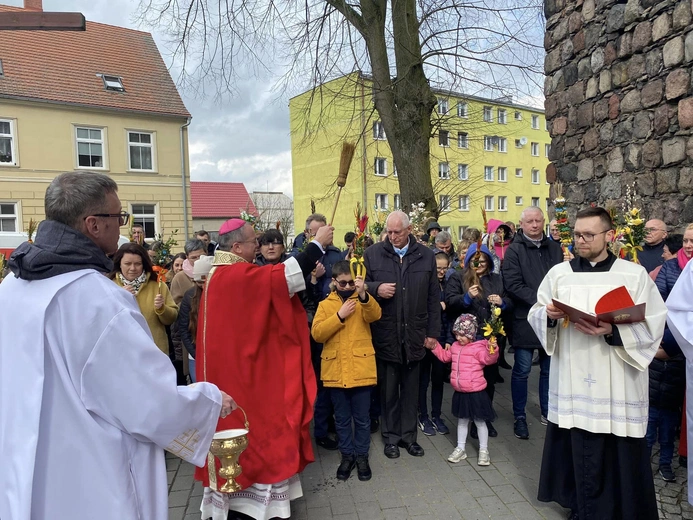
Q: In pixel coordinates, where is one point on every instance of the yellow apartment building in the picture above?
(485, 153)
(96, 100)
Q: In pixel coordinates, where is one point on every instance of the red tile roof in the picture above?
(62, 67)
(220, 199)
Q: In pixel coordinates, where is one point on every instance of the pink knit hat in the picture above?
(466, 326)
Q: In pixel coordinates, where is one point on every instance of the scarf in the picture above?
(136, 284)
(188, 269)
(682, 258)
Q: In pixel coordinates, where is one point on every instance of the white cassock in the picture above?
(592, 385)
(680, 319)
(88, 404)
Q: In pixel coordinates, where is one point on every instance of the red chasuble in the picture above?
(253, 343)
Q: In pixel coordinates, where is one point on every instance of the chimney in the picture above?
(33, 5)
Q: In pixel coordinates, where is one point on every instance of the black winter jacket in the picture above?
(667, 382)
(413, 313)
(524, 267)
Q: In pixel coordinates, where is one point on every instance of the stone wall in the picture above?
(619, 103)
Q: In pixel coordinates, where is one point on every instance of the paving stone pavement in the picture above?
(430, 487)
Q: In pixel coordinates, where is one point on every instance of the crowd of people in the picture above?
(299, 336)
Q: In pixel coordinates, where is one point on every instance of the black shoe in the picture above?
(375, 425)
(683, 461)
(521, 430)
(667, 473)
(504, 364)
(491, 430)
(345, 467)
(327, 442)
(500, 379)
(391, 451)
(363, 469)
(472, 432)
(413, 448)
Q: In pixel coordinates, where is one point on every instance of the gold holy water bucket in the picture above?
(228, 445)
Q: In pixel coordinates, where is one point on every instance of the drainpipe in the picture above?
(182, 169)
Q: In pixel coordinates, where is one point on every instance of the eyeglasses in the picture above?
(342, 284)
(588, 237)
(123, 217)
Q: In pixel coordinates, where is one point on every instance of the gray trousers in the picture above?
(399, 394)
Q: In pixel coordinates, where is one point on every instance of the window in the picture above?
(488, 173)
(7, 141)
(535, 149)
(464, 203)
(518, 172)
(444, 138)
(488, 143)
(460, 232)
(113, 83)
(518, 143)
(462, 140)
(8, 217)
(90, 147)
(380, 166)
(394, 170)
(445, 203)
(502, 144)
(381, 201)
(462, 109)
(535, 202)
(518, 201)
(445, 228)
(502, 116)
(488, 114)
(535, 176)
(535, 122)
(502, 174)
(2, 71)
(145, 214)
(547, 149)
(398, 201)
(462, 172)
(518, 116)
(502, 203)
(379, 131)
(141, 151)
(488, 203)
(443, 170)
(442, 106)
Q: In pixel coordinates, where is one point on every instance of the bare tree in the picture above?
(275, 211)
(411, 49)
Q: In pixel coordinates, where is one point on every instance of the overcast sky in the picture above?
(243, 139)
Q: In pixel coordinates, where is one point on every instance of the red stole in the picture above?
(253, 343)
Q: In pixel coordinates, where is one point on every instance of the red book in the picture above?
(614, 307)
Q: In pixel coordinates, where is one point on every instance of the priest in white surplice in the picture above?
(596, 460)
(680, 319)
(88, 403)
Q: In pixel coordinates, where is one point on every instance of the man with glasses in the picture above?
(653, 246)
(596, 461)
(137, 233)
(527, 260)
(83, 422)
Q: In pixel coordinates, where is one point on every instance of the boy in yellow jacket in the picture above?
(342, 324)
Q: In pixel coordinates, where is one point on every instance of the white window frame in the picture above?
(462, 109)
(444, 138)
(518, 173)
(518, 200)
(445, 228)
(380, 171)
(518, 143)
(103, 142)
(151, 145)
(443, 106)
(535, 176)
(502, 174)
(518, 115)
(489, 203)
(397, 201)
(502, 203)
(547, 149)
(13, 142)
(535, 149)
(535, 202)
(444, 201)
(381, 201)
(463, 203)
(502, 116)
(488, 114)
(462, 140)
(379, 131)
(502, 145)
(460, 232)
(462, 172)
(444, 170)
(14, 216)
(488, 143)
(138, 217)
(489, 170)
(535, 122)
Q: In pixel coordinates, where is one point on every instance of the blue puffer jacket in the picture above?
(666, 278)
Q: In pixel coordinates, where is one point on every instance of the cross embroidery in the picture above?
(589, 380)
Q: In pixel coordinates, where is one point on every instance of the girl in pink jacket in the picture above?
(469, 402)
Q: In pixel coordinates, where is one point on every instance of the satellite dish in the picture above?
(523, 141)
